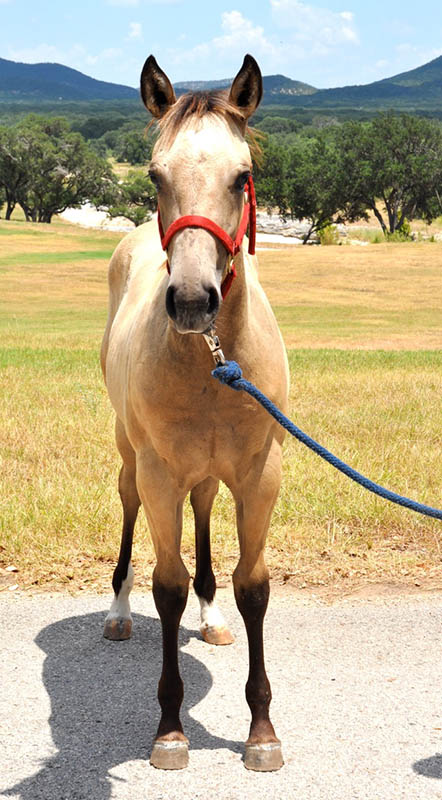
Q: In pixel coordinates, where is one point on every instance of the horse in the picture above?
(177, 429)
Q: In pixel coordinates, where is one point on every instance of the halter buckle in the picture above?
(214, 345)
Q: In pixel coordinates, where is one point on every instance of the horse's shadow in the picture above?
(430, 767)
(104, 709)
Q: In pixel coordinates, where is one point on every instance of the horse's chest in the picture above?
(204, 435)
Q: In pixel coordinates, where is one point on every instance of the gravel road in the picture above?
(357, 690)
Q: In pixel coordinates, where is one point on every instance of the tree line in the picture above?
(390, 166)
(46, 167)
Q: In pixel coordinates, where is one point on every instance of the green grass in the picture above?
(378, 408)
(357, 321)
(53, 257)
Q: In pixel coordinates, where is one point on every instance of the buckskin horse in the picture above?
(177, 429)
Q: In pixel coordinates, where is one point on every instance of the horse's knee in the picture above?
(251, 576)
(170, 596)
(251, 597)
(205, 585)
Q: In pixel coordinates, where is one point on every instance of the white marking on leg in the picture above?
(211, 616)
(120, 608)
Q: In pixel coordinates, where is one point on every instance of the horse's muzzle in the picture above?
(194, 314)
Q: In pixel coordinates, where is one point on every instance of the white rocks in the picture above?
(90, 217)
(274, 224)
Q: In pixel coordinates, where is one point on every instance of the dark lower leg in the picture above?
(201, 498)
(252, 604)
(204, 582)
(118, 624)
(170, 603)
(131, 503)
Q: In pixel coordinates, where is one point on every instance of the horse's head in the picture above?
(200, 166)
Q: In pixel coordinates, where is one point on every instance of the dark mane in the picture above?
(196, 105)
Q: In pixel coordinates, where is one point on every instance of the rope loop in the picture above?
(229, 373)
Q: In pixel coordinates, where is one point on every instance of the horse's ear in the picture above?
(246, 89)
(156, 88)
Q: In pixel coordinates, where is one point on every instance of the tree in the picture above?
(270, 176)
(134, 147)
(137, 198)
(47, 169)
(395, 159)
(314, 187)
(13, 173)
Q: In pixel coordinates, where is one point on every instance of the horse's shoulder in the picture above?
(144, 236)
(138, 252)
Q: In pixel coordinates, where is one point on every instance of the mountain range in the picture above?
(419, 88)
(55, 82)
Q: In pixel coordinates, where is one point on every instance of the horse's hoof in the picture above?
(264, 757)
(117, 628)
(170, 755)
(214, 635)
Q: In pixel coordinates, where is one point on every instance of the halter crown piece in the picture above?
(232, 246)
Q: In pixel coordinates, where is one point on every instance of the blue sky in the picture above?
(323, 42)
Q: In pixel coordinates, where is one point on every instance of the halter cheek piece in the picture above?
(232, 246)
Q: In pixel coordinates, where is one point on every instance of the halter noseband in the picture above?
(232, 246)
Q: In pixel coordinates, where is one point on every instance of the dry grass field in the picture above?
(364, 332)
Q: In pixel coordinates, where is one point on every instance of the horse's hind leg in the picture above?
(118, 624)
(213, 626)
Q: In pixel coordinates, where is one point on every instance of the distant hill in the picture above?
(278, 85)
(55, 82)
(419, 88)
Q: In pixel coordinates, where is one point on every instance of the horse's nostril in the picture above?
(191, 313)
(213, 301)
(170, 302)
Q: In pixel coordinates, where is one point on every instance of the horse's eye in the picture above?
(154, 177)
(242, 180)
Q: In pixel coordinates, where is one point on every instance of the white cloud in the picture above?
(312, 28)
(35, 55)
(76, 57)
(239, 35)
(303, 31)
(135, 30)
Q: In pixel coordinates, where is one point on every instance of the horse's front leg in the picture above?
(255, 502)
(163, 505)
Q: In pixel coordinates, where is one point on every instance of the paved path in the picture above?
(357, 702)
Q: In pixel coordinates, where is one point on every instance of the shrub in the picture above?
(328, 235)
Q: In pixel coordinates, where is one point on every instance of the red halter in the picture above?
(232, 246)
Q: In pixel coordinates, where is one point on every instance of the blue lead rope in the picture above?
(230, 373)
